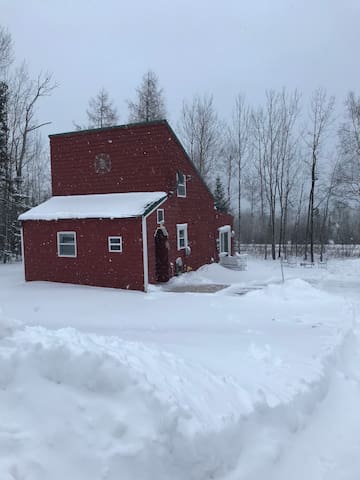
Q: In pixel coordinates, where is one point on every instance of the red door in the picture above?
(161, 255)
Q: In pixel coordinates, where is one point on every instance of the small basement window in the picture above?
(160, 215)
(182, 236)
(66, 242)
(181, 184)
(115, 244)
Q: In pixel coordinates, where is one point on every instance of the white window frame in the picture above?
(182, 227)
(59, 244)
(222, 231)
(115, 237)
(178, 184)
(157, 216)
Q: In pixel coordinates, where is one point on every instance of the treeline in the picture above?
(290, 172)
(287, 169)
(24, 164)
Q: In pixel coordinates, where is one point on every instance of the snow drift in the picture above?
(86, 406)
(101, 407)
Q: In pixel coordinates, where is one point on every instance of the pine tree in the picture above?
(101, 112)
(221, 203)
(150, 104)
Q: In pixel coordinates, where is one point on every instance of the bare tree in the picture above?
(150, 103)
(267, 127)
(37, 177)
(275, 139)
(227, 161)
(348, 171)
(6, 49)
(240, 131)
(200, 134)
(101, 112)
(321, 110)
(23, 96)
(288, 159)
(323, 206)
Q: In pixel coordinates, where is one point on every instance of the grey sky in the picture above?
(194, 46)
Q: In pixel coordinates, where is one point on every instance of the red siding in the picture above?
(94, 264)
(203, 223)
(139, 160)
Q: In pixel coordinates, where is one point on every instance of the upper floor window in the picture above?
(182, 235)
(160, 215)
(181, 184)
(115, 244)
(66, 243)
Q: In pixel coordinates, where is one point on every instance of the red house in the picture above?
(128, 209)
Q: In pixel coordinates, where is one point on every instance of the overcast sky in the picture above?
(194, 46)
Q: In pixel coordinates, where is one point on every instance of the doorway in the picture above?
(225, 240)
(161, 255)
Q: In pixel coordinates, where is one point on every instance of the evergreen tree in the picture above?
(221, 202)
(101, 111)
(150, 103)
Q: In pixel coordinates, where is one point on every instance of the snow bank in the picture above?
(221, 392)
(83, 406)
(7, 326)
(125, 409)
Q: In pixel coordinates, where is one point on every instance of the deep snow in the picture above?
(106, 384)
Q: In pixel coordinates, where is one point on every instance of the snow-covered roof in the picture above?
(224, 228)
(110, 205)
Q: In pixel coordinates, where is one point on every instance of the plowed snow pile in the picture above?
(77, 405)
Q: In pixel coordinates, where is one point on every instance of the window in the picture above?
(224, 239)
(182, 236)
(181, 184)
(115, 244)
(160, 215)
(66, 242)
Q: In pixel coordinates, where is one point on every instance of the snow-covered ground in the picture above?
(107, 384)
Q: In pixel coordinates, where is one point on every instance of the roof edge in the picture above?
(189, 159)
(151, 208)
(114, 127)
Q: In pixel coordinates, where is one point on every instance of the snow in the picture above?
(224, 228)
(110, 205)
(99, 383)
